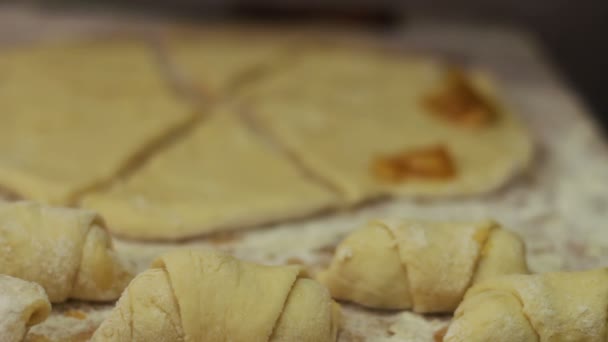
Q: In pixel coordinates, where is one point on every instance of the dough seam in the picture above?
(523, 312)
(246, 116)
(81, 251)
(95, 222)
(170, 283)
(493, 228)
(175, 301)
(131, 313)
(274, 327)
(140, 158)
(401, 262)
(255, 74)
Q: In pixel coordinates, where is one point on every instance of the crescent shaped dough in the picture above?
(67, 251)
(425, 266)
(207, 296)
(22, 305)
(561, 306)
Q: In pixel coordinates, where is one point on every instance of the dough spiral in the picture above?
(22, 304)
(424, 266)
(206, 296)
(560, 306)
(67, 251)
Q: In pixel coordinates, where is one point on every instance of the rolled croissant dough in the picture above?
(76, 114)
(207, 296)
(221, 176)
(67, 251)
(22, 305)
(336, 110)
(421, 265)
(558, 306)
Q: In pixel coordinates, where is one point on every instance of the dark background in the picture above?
(574, 32)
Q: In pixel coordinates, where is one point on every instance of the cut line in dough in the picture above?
(215, 64)
(221, 176)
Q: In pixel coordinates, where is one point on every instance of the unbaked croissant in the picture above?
(425, 266)
(67, 251)
(22, 304)
(206, 296)
(563, 306)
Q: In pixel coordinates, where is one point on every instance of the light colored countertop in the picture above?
(559, 206)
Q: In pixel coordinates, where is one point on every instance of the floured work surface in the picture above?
(557, 206)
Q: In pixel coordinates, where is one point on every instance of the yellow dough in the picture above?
(339, 110)
(67, 251)
(425, 266)
(221, 176)
(564, 306)
(76, 114)
(217, 62)
(22, 305)
(207, 296)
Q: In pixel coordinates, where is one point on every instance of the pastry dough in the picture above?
(221, 176)
(76, 114)
(564, 306)
(22, 305)
(67, 251)
(207, 296)
(214, 63)
(338, 110)
(426, 266)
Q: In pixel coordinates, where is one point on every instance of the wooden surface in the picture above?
(559, 206)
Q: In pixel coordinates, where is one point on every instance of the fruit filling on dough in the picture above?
(459, 102)
(207, 296)
(424, 266)
(432, 162)
(337, 110)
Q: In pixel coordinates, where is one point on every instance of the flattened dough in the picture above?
(67, 251)
(215, 62)
(75, 114)
(425, 266)
(337, 110)
(559, 306)
(22, 304)
(220, 176)
(207, 296)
